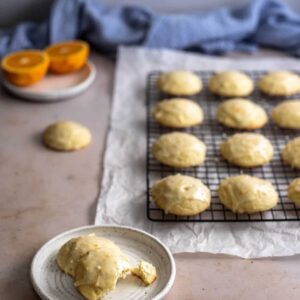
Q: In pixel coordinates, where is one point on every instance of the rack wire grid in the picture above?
(215, 168)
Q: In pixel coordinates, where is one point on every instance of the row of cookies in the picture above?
(230, 84)
(248, 150)
(235, 113)
(187, 196)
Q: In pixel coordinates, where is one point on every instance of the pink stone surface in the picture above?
(43, 193)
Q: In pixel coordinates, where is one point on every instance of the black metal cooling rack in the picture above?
(215, 169)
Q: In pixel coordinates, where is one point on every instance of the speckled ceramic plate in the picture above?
(55, 87)
(52, 284)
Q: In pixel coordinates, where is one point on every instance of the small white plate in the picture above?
(55, 87)
(52, 284)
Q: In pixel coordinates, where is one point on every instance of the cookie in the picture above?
(287, 114)
(280, 83)
(181, 195)
(178, 113)
(241, 114)
(71, 252)
(247, 150)
(98, 271)
(231, 84)
(67, 136)
(179, 150)
(247, 194)
(179, 83)
(291, 153)
(294, 191)
(146, 272)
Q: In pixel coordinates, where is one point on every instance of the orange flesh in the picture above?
(64, 50)
(24, 61)
(24, 68)
(68, 56)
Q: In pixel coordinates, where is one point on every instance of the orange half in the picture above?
(68, 56)
(26, 67)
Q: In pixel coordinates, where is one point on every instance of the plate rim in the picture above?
(55, 95)
(159, 296)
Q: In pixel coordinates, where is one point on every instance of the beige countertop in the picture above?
(43, 193)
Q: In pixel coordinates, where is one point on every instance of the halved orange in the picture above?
(68, 56)
(25, 67)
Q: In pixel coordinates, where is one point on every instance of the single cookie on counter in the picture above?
(247, 150)
(287, 114)
(247, 194)
(72, 251)
(231, 84)
(178, 113)
(280, 83)
(179, 83)
(241, 114)
(179, 150)
(67, 136)
(294, 191)
(99, 270)
(181, 195)
(291, 153)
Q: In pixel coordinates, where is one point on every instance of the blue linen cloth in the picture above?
(267, 23)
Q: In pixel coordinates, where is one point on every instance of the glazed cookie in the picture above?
(181, 195)
(97, 263)
(247, 194)
(98, 271)
(178, 113)
(247, 150)
(280, 83)
(70, 253)
(146, 272)
(287, 114)
(231, 84)
(67, 136)
(179, 83)
(291, 153)
(178, 149)
(294, 191)
(241, 114)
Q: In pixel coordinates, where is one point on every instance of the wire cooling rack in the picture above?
(215, 168)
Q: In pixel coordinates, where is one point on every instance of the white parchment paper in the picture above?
(123, 192)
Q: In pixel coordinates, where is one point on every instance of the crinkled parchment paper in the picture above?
(123, 199)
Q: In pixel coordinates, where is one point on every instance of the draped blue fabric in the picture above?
(267, 23)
